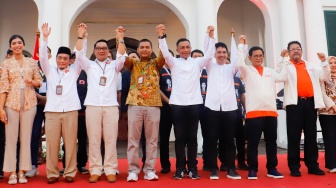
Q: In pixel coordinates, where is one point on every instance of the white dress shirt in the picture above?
(98, 95)
(186, 74)
(220, 91)
(68, 100)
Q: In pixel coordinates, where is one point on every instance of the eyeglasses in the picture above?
(60, 58)
(295, 49)
(101, 48)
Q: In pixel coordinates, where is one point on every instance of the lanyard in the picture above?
(61, 77)
(101, 66)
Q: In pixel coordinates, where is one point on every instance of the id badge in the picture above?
(102, 81)
(59, 89)
(140, 80)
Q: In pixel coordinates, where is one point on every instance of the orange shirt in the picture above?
(260, 113)
(304, 83)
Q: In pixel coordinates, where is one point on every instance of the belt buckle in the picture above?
(303, 98)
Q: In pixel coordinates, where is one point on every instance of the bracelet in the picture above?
(162, 37)
(80, 38)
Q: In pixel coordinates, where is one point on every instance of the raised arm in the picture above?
(210, 49)
(324, 71)
(241, 56)
(81, 45)
(120, 60)
(43, 51)
(161, 31)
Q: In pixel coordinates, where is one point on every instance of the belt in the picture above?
(305, 98)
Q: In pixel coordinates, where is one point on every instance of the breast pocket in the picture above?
(110, 71)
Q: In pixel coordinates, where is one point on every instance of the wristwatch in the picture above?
(121, 41)
(163, 36)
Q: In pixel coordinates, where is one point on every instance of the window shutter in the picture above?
(330, 22)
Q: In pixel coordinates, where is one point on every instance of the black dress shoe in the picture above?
(165, 170)
(316, 171)
(295, 173)
(52, 180)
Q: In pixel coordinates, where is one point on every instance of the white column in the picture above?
(205, 16)
(289, 19)
(53, 14)
(316, 40)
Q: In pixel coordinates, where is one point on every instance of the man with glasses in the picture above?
(261, 111)
(302, 98)
(102, 112)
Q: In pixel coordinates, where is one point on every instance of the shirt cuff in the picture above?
(325, 63)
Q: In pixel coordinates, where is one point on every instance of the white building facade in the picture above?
(270, 24)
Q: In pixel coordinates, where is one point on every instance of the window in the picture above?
(330, 22)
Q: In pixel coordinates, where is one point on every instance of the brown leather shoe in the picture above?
(111, 178)
(52, 180)
(94, 178)
(69, 179)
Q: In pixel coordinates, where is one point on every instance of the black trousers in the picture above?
(185, 120)
(36, 134)
(2, 145)
(204, 124)
(221, 126)
(82, 155)
(240, 135)
(254, 128)
(166, 123)
(328, 125)
(300, 117)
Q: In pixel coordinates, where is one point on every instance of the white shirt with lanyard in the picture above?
(66, 98)
(102, 79)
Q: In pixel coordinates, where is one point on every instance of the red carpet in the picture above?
(166, 180)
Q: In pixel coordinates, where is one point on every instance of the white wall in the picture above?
(134, 29)
(245, 18)
(17, 18)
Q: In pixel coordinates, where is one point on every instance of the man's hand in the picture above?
(321, 56)
(82, 30)
(284, 53)
(46, 30)
(211, 31)
(160, 30)
(242, 39)
(42, 101)
(120, 32)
